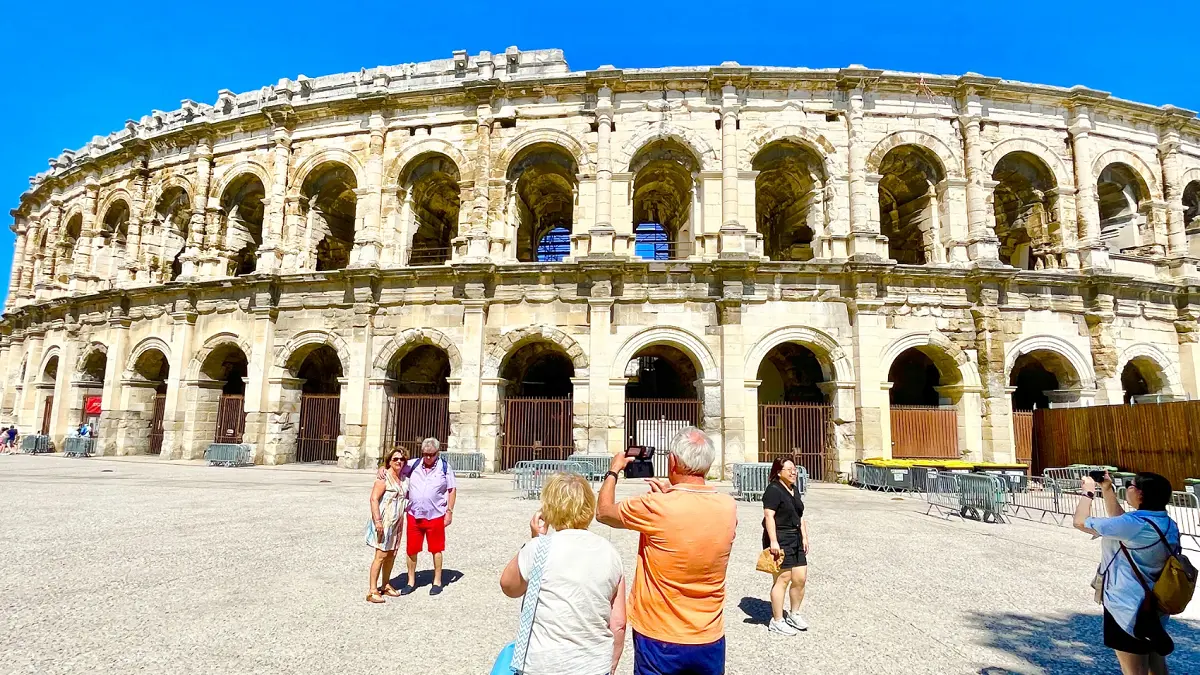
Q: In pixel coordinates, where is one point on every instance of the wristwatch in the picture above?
(1090, 495)
(614, 474)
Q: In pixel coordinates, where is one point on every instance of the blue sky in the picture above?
(74, 70)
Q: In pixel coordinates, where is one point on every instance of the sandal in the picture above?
(375, 597)
(390, 592)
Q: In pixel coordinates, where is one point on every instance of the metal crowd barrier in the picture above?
(1077, 473)
(79, 446)
(35, 443)
(750, 480)
(941, 492)
(880, 478)
(468, 464)
(982, 497)
(597, 465)
(1184, 509)
(228, 454)
(530, 477)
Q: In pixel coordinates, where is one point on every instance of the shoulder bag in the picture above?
(511, 659)
(1174, 588)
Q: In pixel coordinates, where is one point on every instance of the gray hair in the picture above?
(431, 443)
(694, 451)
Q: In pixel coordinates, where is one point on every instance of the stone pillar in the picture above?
(491, 420)
(64, 389)
(1092, 252)
(27, 407)
(82, 256)
(183, 327)
(134, 257)
(111, 413)
(736, 409)
(581, 413)
(983, 248)
(478, 237)
(601, 234)
(600, 341)
(864, 195)
(1100, 317)
(622, 214)
(751, 435)
(196, 246)
(270, 254)
(1168, 154)
(283, 422)
(469, 390)
(18, 263)
(1187, 327)
(841, 396)
(968, 403)
(354, 394)
(257, 403)
(732, 232)
(367, 241)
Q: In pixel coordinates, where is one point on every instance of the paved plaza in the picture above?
(139, 565)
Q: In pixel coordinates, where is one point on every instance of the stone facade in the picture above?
(310, 236)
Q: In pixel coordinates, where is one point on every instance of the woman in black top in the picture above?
(786, 534)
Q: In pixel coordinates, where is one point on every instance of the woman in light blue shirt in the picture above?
(1133, 624)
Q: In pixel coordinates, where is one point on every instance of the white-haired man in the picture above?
(687, 529)
(431, 496)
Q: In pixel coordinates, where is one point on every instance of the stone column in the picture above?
(1168, 154)
(601, 234)
(1187, 327)
(1100, 317)
(864, 195)
(367, 242)
(1092, 252)
(137, 216)
(354, 395)
(18, 263)
(197, 245)
(491, 420)
(111, 413)
(257, 402)
(474, 321)
(983, 248)
(29, 400)
(600, 340)
(82, 256)
(477, 241)
(183, 327)
(270, 254)
(732, 232)
(736, 408)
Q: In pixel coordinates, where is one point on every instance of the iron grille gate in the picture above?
(924, 432)
(536, 428)
(320, 425)
(411, 418)
(46, 415)
(801, 432)
(231, 419)
(156, 424)
(655, 421)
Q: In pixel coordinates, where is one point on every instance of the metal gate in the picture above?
(156, 424)
(924, 432)
(655, 421)
(536, 428)
(801, 432)
(411, 418)
(1023, 436)
(231, 419)
(320, 425)
(46, 415)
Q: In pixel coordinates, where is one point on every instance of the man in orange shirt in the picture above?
(687, 529)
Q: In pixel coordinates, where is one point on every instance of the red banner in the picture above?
(91, 405)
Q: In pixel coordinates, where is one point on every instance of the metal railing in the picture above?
(596, 465)
(228, 454)
(530, 477)
(469, 464)
(35, 443)
(750, 480)
(968, 495)
(79, 446)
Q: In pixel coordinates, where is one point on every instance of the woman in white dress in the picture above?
(388, 497)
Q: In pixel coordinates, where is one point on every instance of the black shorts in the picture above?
(1149, 636)
(793, 550)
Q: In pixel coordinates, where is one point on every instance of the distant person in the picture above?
(11, 437)
(677, 604)
(1134, 550)
(579, 619)
(785, 534)
(431, 497)
(386, 524)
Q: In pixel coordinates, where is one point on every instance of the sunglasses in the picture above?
(396, 459)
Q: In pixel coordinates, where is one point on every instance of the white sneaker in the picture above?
(781, 627)
(795, 621)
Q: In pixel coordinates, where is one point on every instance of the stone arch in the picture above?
(211, 344)
(148, 344)
(52, 352)
(814, 141)
(156, 193)
(834, 361)
(684, 340)
(951, 165)
(87, 352)
(110, 200)
(231, 174)
(425, 146)
(320, 158)
(1058, 168)
(952, 362)
(507, 343)
(1075, 358)
(548, 136)
(1188, 176)
(1167, 370)
(289, 357)
(1149, 183)
(412, 338)
(708, 158)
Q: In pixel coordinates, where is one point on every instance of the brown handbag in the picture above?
(767, 562)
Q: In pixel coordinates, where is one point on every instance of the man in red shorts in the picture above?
(431, 497)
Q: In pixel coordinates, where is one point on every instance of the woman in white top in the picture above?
(579, 623)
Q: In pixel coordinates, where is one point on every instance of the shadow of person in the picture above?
(425, 577)
(757, 610)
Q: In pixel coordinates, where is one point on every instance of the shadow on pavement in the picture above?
(1073, 643)
(757, 610)
(425, 577)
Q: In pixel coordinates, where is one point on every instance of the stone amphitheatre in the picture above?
(529, 261)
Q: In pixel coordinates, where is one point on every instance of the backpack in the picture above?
(1175, 586)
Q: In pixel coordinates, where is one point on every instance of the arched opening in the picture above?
(60, 266)
(320, 373)
(147, 402)
(244, 206)
(45, 390)
(1120, 194)
(329, 205)
(910, 209)
(1191, 223)
(795, 420)
(220, 400)
(1038, 377)
(433, 196)
(664, 199)
(924, 422)
(1026, 212)
(554, 245)
(661, 398)
(1143, 381)
(418, 399)
(788, 200)
(536, 390)
(172, 227)
(542, 186)
(90, 389)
